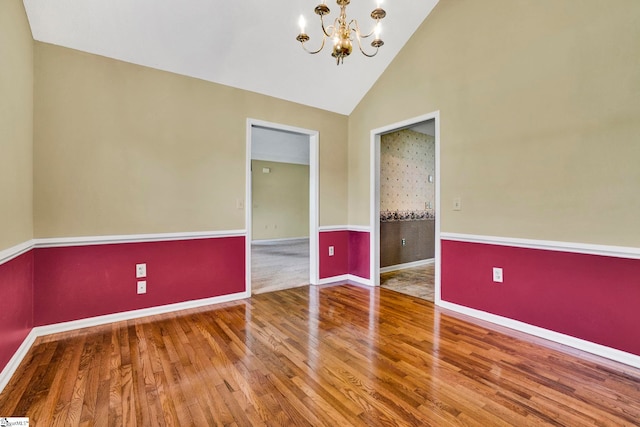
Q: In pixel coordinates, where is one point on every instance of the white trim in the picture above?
(360, 280)
(57, 242)
(407, 265)
(8, 254)
(16, 359)
(374, 195)
(360, 228)
(40, 331)
(135, 314)
(589, 347)
(314, 195)
(284, 240)
(328, 228)
(333, 279)
(345, 278)
(547, 245)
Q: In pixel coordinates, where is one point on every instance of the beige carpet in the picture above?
(279, 265)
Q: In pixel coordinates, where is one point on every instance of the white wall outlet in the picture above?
(141, 270)
(142, 287)
(457, 204)
(331, 251)
(497, 274)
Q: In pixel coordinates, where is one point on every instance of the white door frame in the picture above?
(314, 137)
(375, 196)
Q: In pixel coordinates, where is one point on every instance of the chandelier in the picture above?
(340, 31)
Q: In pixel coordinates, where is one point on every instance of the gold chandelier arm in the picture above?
(313, 52)
(330, 27)
(357, 29)
(370, 55)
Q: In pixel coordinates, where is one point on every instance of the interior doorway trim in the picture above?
(374, 180)
(314, 137)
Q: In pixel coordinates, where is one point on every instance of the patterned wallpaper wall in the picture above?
(407, 158)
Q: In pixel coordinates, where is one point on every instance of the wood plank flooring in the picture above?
(314, 356)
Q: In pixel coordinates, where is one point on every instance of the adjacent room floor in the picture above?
(415, 281)
(279, 265)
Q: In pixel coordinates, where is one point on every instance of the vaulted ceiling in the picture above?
(248, 44)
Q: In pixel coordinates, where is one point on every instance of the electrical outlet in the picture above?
(141, 270)
(142, 287)
(404, 242)
(497, 274)
(331, 251)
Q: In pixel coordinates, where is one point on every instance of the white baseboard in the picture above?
(407, 265)
(333, 279)
(577, 343)
(40, 331)
(360, 280)
(16, 359)
(345, 278)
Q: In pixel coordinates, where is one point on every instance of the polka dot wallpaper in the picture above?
(407, 159)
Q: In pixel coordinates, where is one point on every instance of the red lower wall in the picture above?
(594, 298)
(16, 314)
(359, 258)
(78, 282)
(338, 264)
(351, 253)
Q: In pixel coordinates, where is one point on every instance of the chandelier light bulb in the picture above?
(378, 30)
(302, 22)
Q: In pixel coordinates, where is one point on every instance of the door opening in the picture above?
(405, 221)
(281, 214)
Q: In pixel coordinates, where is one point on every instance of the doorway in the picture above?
(281, 215)
(405, 220)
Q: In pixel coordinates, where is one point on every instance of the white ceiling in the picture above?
(279, 146)
(248, 44)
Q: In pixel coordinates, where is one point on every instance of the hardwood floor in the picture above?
(334, 356)
(416, 281)
(279, 265)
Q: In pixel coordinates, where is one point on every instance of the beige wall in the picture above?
(16, 125)
(539, 104)
(280, 200)
(124, 149)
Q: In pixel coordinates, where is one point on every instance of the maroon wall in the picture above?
(594, 298)
(359, 259)
(351, 253)
(338, 264)
(16, 297)
(87, 281)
